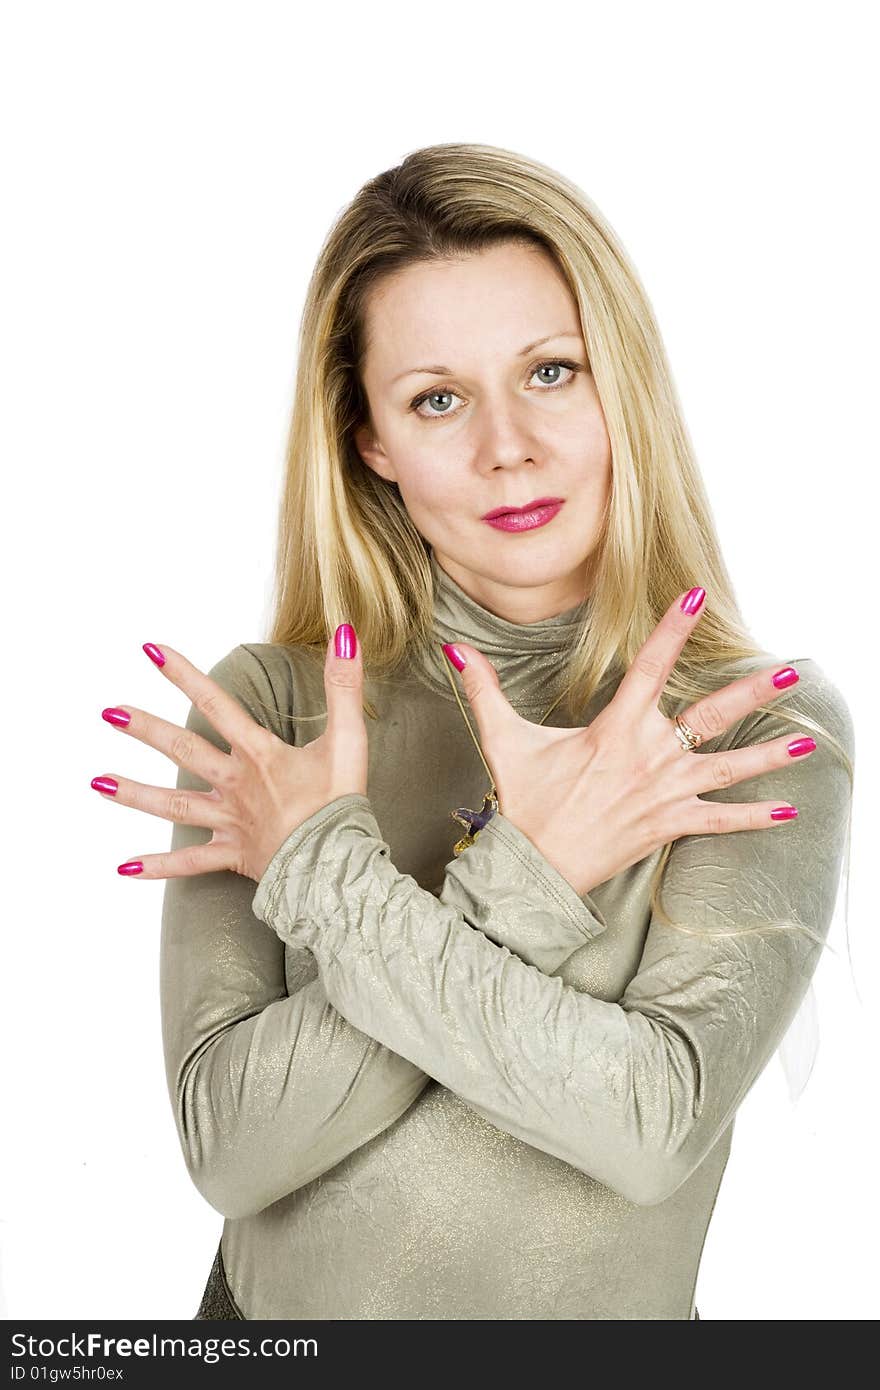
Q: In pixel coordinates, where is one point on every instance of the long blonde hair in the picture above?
(347, 549)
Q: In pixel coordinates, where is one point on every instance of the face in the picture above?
(466, 420)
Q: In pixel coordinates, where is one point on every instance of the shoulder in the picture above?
(815, 697)
(819, 786)
(268, 679)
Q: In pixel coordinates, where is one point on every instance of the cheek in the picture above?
(583, 441)
(426, 486)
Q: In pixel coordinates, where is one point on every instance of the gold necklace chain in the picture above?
(475, 820)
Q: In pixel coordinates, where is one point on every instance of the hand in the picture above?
(263, 789)
(595, 800)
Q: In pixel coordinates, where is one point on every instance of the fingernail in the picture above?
(692, 601)
(455, 656)
(116, 716)
(799, 746)
(787, 676)
(154, 653)
(131, 866)
(784, 813)
(105, 784)
(345, 641)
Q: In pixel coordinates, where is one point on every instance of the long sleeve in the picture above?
(269, 1084)
(633, 1093)
(516, 898)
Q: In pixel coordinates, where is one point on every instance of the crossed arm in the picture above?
(271, 1085)
(270, 1089)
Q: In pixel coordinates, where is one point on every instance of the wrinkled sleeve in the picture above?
(633, 1093)
(270, 1087)
(517, 899)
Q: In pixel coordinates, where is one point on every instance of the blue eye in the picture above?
(572, 367)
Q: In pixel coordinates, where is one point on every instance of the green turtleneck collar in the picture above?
(528, 657)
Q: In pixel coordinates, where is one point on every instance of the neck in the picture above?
(528, 656)
(522, 605)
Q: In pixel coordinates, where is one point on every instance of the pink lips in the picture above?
(527, 507)
(537, 514)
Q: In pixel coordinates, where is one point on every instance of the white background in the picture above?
(170, 171)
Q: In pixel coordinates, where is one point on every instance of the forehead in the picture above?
(495, 301)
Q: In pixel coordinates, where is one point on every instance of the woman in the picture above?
(494, 1079)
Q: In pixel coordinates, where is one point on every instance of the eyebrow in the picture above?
(523, 352)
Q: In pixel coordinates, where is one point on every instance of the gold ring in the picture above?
(687, 737)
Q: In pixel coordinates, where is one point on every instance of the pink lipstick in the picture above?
(526, 518)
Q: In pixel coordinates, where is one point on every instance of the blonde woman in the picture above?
(430, 1074)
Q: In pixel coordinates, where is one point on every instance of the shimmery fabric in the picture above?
(419, 1086)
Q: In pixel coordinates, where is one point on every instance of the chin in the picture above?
(536, 572)
(535, 576)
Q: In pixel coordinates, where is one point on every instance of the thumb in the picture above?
(490, 705)
(344, 683)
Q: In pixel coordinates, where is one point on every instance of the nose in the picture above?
(505, 439)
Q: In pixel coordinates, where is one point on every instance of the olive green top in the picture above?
(421, 1086)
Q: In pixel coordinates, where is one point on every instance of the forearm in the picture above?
(517, 899)
(271, 1089)
(635, 1093)
(551, 1065)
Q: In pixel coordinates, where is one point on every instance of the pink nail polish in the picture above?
(116, 716)
(784, 813)
(692, 601)
(105, 784)
(787, 676)
(455, 656)
(799, 746)
(130, 867)
(154, 653)
(345, 641)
